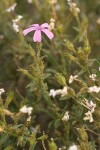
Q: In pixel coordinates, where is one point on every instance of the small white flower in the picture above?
(66, 116)
(1, 91)
(88, 116)
(15, 25)
(26, 109)
(93, 77)
(11, 8)
(1, 37)
(64, 147)
(58, 92)
(29, 1)
(52, 93)
(72, 78)
(52, 2)
(98, 21)
(61, 92)
(52, 139)
(99, 68)
(68, 1)
(29, 119)
(52, 24)
(94, 89)
(73, 147)
(90, 105)
(64, 91)
(19, 17)
(58, 7)
(73, 8)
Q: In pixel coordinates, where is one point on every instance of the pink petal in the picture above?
(37, 36)
(44, 25)
(49, 34)
(26, 31)
(34, 25)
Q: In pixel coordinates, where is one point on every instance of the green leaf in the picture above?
(31, 84)
(90, 62)
(9, 147)
(66, 97)
(46, 75)
(26, 73)
(61, 79)
(8, 99)
(32, 146)
(71, 92)
(52, 145)
(43, 137)
(1, 123)
(17, 126)
(57, 123)
(3, 138)
(92, 145)
(70, 46)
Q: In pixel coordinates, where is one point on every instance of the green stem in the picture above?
(39, 49)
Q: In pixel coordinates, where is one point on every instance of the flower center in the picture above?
(39, 28)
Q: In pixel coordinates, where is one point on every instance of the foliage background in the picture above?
(14, 54)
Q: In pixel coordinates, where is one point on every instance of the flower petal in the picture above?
(44, 25)
(37, 36)
(49, 34)
(26, 31)
(34, 25)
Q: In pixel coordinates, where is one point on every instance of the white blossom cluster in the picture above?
(98, 21)
(72, 78)
(73, 147)
(27, 110)
(94, 89)
(88, 116)
(73, 8)
(62, 148)
(52, 24)
(61, 92)
(93, 77)
(1, 91)
(11, 8)
(66, 116)
(29, 1)
(91, 106)
(15, 21)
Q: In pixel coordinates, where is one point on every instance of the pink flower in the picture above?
(38, 29)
